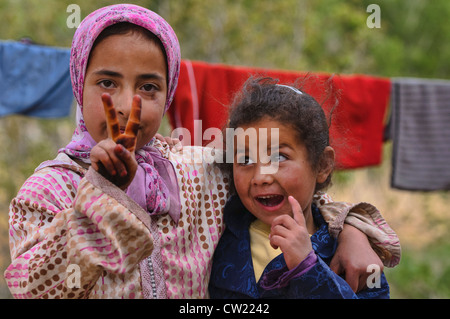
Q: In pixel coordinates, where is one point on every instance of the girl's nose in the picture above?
(123, 103)
(262, 176)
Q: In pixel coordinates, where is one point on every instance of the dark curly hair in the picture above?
(261, 98)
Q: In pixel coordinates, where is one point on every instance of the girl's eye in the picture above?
(248, 160)
(278, 157)
(107, 84)
(245, 160)
(148, 87)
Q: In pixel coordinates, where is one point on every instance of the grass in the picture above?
(420, 219)
(423, 274)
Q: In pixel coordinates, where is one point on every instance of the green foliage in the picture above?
(28, 142)
(330, 36)
(415, 38)
(422, 274)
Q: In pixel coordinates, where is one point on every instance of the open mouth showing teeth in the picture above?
(270, 200)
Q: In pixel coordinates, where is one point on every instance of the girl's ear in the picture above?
(326, 164)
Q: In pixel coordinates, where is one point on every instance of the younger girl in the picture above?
(105, 221)
(276, 243)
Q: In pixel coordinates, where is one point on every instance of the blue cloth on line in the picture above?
(34, 80)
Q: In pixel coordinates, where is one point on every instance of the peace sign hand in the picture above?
(128, 138)
(114, 157)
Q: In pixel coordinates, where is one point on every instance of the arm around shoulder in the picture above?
(367, 219)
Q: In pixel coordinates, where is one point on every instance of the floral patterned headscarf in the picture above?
(151, 187)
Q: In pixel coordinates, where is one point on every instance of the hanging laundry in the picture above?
(206, 90)
(420, 130)
(34, 80)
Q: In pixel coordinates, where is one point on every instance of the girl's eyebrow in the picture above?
(108, 73)
(285, 145)
(145, 76)
(151, 76)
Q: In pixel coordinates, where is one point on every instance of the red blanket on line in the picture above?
(205, 90)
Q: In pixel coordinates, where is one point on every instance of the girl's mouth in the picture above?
(271, 201)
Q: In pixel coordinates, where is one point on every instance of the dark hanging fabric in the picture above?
(420, 130)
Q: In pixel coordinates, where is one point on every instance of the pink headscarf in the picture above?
(154, 186)
(97, 21)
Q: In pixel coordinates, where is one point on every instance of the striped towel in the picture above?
(421, 134)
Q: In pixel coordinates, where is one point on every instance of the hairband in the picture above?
(292, 88)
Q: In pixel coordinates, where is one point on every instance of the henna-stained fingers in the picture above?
(112, 121)
(129, 137)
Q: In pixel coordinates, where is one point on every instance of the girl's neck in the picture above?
(309, 220)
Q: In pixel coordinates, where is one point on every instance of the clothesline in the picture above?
(35, 81)
(205, 89)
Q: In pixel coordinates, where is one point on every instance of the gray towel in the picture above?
(421, 134)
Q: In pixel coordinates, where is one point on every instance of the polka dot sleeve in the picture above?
(70, 239)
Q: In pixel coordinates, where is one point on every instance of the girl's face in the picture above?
(264, 194)
(123, 66)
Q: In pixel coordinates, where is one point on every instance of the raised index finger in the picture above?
(297, 212)
(111, 117)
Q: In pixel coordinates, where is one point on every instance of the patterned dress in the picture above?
(67, 219)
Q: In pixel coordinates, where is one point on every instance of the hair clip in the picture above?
(292, 88)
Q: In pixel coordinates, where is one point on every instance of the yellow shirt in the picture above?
(262, 252)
